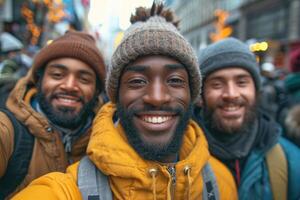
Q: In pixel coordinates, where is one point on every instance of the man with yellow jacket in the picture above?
(154, 151)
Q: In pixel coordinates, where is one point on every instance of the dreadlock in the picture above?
(143, 14)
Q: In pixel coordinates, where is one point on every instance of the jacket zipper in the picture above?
(172, 172)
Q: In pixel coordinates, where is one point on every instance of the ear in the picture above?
(199, 102)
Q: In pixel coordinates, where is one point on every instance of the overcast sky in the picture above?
(102, 11)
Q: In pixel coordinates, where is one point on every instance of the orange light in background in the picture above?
(222, 30)
(55, 14)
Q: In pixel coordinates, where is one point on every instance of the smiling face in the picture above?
(67, 91)
(229, 99)
(153, 105)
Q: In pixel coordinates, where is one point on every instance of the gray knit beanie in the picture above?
(227, 53)
(154, 36)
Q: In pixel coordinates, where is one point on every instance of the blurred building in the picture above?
(275, 21)
(35, 22)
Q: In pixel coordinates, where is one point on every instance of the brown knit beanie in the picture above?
(153, 36)
(72, 44)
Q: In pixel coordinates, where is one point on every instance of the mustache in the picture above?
(72, 94)
(235, 102)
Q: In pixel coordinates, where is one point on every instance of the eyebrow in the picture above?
(174, 66)
(64, 67)
(135, 68)
(57, 65)
(220, 77)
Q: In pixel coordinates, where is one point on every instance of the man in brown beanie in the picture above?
(154, 151)
(47, 121)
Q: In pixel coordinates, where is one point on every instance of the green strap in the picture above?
(277, 166)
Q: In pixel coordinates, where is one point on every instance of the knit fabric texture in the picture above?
(73, 44)
(155, 36)
(227, 53)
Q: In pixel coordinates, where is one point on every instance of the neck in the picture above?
(170, 159)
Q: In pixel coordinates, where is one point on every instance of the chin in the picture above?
(230, 126)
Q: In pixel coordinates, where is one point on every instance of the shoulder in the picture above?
(72, 170)
(225, 180)
(55, 185)
(289, 148)
(5, 123)
(6, 141)
(292, 153)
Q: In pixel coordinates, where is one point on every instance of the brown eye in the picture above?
(216, 84)
(242, 82)
(137, 82)
(56, 75)
(175, 81)
(85, 79)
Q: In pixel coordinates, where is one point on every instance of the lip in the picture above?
(231, 111)
(156, 123)
(67, 101)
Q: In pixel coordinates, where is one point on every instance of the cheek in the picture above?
(250, 96)
(211, 98)
(252, 100)
(130, 97)
(182, 95)
(88, 92)
(47, 86)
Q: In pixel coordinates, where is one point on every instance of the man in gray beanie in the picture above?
(238, 133)
(154, 151)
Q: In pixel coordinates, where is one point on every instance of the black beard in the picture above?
(64, 116)
(155, 152)
(216, 127)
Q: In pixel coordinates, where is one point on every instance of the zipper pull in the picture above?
(172, 171)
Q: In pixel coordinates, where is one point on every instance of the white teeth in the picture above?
(68, 100)
(156, 119)
(231, 108)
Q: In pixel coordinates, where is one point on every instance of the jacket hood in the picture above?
(18, 102)
(111, 153)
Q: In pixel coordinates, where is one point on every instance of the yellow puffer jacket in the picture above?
(128, 173)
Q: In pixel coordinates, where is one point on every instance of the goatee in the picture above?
(155, 152)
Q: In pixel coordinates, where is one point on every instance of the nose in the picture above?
(70, 83)
(231, 91)
(157, 93)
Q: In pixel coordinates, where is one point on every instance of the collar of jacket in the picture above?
(18, 103)
(111, 153)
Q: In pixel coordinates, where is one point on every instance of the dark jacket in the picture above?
(254, 180)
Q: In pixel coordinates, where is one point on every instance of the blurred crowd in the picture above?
(216, 125)
(15, 61)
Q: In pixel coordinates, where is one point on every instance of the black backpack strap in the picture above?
(18, 164)
(92, 183)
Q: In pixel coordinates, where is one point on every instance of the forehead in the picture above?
(229, 73)
(154, 62)
(70, 64)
